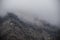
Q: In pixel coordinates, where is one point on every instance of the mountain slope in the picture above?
(13, 28)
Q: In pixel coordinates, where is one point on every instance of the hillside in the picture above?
(12, 28)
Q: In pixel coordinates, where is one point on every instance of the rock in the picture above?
(15, 29)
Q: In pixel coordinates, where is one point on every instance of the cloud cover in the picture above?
(30, 9)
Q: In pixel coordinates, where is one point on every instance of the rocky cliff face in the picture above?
(12, 28)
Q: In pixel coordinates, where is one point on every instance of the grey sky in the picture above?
(30, 9)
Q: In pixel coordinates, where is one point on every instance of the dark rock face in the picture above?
(13, 28)
(1, 20)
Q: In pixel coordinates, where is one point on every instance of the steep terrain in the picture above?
(12, 28)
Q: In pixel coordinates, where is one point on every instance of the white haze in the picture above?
(30, 9)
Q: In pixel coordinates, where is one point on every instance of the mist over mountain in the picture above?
(12, 28)
(29, 20)
(47, 10)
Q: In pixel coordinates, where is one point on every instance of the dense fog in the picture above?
(32, 9)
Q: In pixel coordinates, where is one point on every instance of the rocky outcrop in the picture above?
(13, 28)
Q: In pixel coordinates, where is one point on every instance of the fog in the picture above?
(32, 9)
